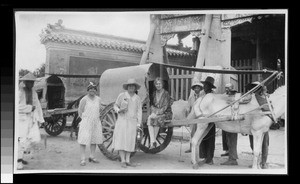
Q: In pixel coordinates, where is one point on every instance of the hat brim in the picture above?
(125, 86)
(212, 86)
(193, 86)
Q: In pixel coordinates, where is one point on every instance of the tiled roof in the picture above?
(90, 39)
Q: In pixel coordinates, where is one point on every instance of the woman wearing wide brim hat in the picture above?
(131, 82)
(129, 108)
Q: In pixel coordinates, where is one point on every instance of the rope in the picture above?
(250, 91)
(180, 160)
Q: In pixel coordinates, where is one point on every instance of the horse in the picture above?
(255, 122)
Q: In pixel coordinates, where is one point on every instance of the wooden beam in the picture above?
(148, 43)
(203, 43)
(186, 122)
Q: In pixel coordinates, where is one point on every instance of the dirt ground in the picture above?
(62, 155)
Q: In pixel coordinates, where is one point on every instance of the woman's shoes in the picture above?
(93, 160)
(131, 164)
(154, 145)
(23, 161)
(20, 166)
(82, 162)
(123, 164)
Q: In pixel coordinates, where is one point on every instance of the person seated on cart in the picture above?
(160, 110)
(260, 95)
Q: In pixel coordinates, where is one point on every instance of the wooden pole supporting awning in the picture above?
(74, 76)
(224, 71)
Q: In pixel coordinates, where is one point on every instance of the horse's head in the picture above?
(179, 109)
(278, 100)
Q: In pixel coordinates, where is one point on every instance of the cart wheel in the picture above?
(163, 138)
(55, 125)
(108, 119)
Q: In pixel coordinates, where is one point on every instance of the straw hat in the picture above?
(28, 77)
(196, 83)
(131, 81)
(230, 87)
(210, 81)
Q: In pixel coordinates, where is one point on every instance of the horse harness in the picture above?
(262, 101)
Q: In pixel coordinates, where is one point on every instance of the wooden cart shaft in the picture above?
(59, 111)
(186, 122)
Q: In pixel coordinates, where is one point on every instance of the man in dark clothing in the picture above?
(230, 139)
(260, 95)
(207, 146)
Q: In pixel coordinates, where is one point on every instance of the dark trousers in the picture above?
(207, 146)
(224, 141)
(230, 142)
(264, 149)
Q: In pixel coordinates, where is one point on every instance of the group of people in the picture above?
(128, 105)
(229, 140)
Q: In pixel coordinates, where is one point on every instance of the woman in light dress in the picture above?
(129, 108)
(90, 128)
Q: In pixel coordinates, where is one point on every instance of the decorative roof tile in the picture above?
(54, 33)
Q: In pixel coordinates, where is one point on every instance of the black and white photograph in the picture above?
(161, 92)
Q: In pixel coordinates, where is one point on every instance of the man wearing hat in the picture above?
(260, 94)
(229, 140)
(207, 146)
(30, 115)
(197, 88)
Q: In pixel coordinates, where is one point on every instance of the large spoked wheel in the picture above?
(55, 125)
(108, 119)
(163, 138)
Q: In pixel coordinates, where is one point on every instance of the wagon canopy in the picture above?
(112, 80)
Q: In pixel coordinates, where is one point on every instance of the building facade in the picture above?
(77, 52)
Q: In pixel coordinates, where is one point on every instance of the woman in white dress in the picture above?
(129, 108)
(90, 128)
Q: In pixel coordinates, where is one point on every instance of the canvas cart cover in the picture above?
(112, 80)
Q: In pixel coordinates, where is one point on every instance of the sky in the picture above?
(31, 53)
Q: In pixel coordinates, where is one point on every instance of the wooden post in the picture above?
(203, 43)
(258, 57)
(149, 40)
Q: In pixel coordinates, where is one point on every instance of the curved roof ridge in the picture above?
(92, 39)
